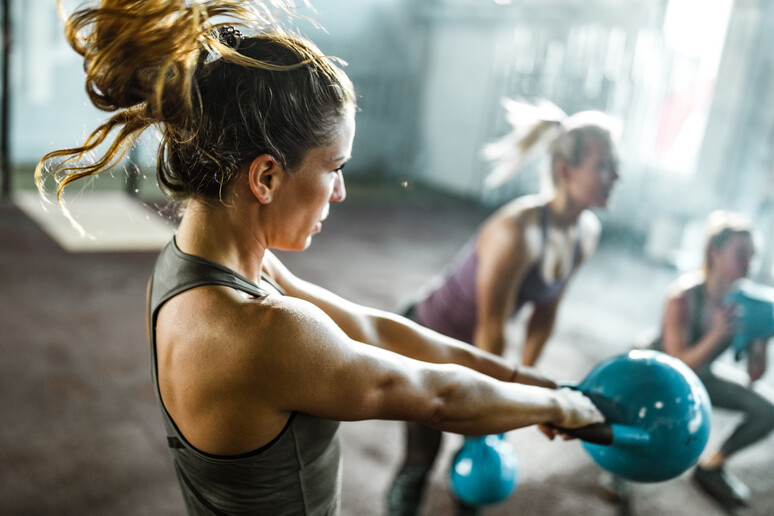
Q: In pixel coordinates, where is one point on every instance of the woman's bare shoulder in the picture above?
(213, 313)
(517, 216)
(233, 343)
(526, 207)
(286, 319)
(514, 228)
(687, 281)
(679, 291)
(224, 362)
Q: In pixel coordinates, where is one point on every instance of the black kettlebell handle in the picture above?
(598, 433)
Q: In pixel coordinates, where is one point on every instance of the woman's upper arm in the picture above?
(317, 369)
(544, 315)
(503, 260)
(756, 359)
(351, 317)
(674, 325)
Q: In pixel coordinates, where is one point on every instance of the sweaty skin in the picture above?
(231, 392)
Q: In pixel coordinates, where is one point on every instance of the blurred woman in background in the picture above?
(525, 253)
(698, 326)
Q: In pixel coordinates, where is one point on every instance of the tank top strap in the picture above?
(578, 252)
(544, 213)
(176, 272)
(698, 313)
(577, 249)
(265, 277)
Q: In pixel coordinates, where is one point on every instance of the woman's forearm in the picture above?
(473, 404)
(756, 360)
(410, 339)
(489, 334)
(539, 329)
(420, 343)
(533, 345)
(696, 356)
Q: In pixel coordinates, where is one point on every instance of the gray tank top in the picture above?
(296, 473)
(696, 330)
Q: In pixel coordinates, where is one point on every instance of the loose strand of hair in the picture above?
(189, 26)
(68, 170)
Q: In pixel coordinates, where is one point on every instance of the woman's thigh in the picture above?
(727, 389)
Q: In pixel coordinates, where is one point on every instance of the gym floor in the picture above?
(81, 431)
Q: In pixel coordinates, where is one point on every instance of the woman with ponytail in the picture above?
(526, 252)
(252, 366)
(698, 326)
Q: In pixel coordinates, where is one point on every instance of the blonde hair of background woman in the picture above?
(543, 127)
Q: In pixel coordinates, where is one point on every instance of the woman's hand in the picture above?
(576, 411)
(723, 321)
(551, 431)
(756, 360)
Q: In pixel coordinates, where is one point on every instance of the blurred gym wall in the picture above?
(689, 79)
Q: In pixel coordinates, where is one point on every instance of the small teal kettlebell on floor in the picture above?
(657, 416)
(484, 470)
(754, 314)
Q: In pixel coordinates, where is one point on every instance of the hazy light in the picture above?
(686, 35)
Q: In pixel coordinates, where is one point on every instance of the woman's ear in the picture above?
(712, 257)
(561, 170)
(264, 176)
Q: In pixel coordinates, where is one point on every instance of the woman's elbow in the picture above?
(490, 339)
(451, 405)
(685, 356)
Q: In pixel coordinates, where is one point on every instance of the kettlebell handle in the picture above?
(598, 433)
(607, 434)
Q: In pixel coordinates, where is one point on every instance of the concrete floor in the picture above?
(81, 432)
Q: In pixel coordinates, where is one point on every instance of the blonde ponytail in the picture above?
(533, 130)
(540, 128)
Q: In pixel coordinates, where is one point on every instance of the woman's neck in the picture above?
(564, 213)
(716, 288)
(214, 231)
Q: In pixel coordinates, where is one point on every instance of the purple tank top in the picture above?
(450, 306)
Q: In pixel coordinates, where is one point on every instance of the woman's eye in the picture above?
(340, 168)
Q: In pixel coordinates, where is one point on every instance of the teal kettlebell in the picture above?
(754, 314)
(484, 470)
(657, 416)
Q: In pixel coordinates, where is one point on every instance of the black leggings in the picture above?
(758, 408)
(405, 496)
(422, 445)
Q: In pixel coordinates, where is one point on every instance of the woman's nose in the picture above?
(339, 192)
(612, 175)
